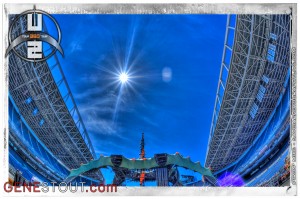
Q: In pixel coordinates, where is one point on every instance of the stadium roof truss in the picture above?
(258, 67)
(52, 115)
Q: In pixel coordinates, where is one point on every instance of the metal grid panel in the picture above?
(236, 126)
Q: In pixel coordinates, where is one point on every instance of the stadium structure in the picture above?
(47, 137)
(249, 136)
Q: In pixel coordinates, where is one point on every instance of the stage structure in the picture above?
(162, 168)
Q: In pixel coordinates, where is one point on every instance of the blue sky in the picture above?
(173, 62)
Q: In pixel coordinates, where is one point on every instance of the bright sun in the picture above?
(123, 77)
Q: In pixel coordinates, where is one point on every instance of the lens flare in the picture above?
(230, 180)
(123, 77)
